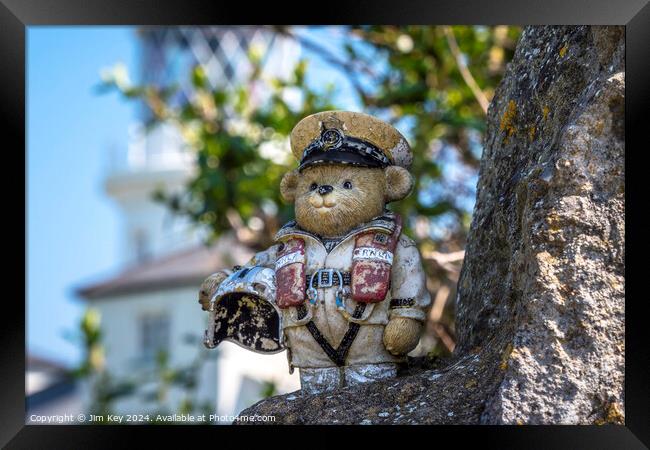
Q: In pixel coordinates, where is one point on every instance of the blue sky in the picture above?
(72, 226)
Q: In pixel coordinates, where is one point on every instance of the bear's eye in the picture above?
(313, 187)
(347, 185)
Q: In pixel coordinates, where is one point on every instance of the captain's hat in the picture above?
(346, 137)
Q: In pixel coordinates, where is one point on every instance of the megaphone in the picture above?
(243, 311)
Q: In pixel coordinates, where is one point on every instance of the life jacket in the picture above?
(372, 260)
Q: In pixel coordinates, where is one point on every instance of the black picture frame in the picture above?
(17, 15)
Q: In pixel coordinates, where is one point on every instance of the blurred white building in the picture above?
(151, 305)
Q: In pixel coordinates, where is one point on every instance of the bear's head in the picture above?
(331, 199)
(351, 165)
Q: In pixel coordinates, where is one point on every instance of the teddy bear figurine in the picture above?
(350, 290)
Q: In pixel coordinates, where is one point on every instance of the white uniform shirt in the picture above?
(408, 283)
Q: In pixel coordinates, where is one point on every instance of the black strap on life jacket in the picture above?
(338, 355)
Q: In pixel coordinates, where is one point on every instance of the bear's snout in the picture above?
(324, 197)
(325, 189)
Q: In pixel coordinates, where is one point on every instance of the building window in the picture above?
(154, 332)
(141, 243)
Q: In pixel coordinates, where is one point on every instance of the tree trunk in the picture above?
(540, 307)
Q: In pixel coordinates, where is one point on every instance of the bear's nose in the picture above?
(325, 189)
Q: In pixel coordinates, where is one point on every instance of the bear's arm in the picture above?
(410, 298)
(210, 285)
(265, 258)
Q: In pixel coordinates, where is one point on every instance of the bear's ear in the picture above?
(288, 185)
(399, 183)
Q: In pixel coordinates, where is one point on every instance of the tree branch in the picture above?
(464, 71)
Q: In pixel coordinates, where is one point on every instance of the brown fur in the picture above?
(337, 212)
(399, 183)
(402, 335)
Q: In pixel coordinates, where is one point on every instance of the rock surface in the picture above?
(540, 306)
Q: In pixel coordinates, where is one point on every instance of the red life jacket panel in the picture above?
(372, 260)
(290, 273)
